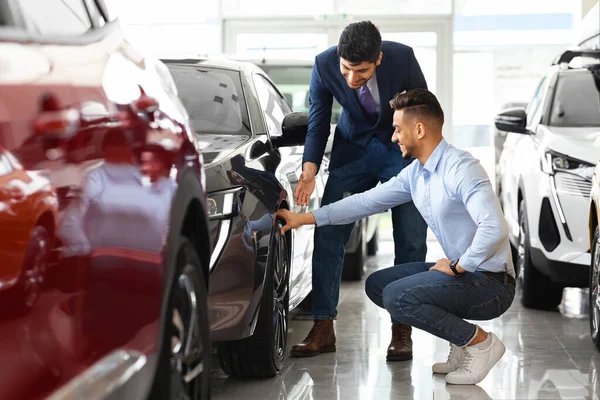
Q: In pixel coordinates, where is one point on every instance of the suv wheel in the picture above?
(537, 290)
(373, 244)
(594, 296)
(184, 369)
(355, 263)
(262, 354)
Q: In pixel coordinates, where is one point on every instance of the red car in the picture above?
(104, 241)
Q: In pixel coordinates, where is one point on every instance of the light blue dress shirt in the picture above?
(453, 194)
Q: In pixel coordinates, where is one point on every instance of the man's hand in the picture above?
(443, 265)
(306, 185)
(294, 220)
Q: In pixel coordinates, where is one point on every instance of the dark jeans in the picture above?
(378, 164)
(436, 302)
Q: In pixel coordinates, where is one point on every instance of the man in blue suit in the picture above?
(363, 74)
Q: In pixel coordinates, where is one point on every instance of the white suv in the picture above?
(546, 170)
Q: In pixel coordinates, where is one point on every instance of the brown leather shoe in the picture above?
(400, 348)
(320, 339)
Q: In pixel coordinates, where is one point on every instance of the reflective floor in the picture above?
(549, 356)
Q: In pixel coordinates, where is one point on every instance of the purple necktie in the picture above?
(368, 103)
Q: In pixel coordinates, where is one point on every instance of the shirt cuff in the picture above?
(467, 263)
(321, 217)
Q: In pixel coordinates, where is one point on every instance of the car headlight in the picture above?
(225, 204)
(552, 162)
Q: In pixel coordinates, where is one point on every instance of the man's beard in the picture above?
(407, 155)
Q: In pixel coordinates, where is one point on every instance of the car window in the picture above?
(213, 98)
(294, 83)
(577, 99)
(535, 107)
(273, 104)
(56, 17)
(95, 14)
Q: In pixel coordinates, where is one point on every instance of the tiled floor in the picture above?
(549, 356)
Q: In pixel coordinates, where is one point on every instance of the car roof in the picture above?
(276, 62)
(210, 62)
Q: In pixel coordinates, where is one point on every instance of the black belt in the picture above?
(501, 277)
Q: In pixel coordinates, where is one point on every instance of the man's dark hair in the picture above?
(419, 103)
(360, 42)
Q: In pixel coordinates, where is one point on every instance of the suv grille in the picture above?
(572, 185)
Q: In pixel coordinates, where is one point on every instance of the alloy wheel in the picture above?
(521, 251)
(35, 273)
(187, 353)
(595, 290)
(280, 297)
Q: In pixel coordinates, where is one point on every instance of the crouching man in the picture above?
(453, 193)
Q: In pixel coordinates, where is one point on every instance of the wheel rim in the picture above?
(34, 275)
(521, 251)
(595, 290)
(280, 295)
(187, 352)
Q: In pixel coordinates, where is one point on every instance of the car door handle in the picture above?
(57, 123)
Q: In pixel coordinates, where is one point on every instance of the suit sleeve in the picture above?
(321, 101)
(416, 80)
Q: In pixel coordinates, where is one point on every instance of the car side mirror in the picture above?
(513, 120)
(294, 128)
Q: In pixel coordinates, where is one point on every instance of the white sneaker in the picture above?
(477, 363)
(454, 359)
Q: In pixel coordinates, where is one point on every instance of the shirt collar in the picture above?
(436, 156)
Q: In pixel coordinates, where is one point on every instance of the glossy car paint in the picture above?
(265, 176)
(102, 293)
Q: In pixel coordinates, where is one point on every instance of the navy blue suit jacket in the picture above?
(398, 71)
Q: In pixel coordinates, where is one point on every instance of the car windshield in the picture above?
(293, 82)
(213, 98)
(577, 99)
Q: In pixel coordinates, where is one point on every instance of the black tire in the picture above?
(594, 291)
(373, 245)
(174, 362)
(33, 271)
(261, 355)
(515, 259)
(537, 290)
(355, 263)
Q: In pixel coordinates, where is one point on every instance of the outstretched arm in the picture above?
(390, 194)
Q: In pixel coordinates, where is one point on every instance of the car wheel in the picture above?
(594, 292)
(184, 369)
(355, 263)
(261, 355)
(373, 244)
(515, 259)
(537, 290)
(33, 273)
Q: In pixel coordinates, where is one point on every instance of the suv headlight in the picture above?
(553, 162)
(225, 204)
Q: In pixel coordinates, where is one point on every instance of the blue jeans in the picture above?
(378, 164)
(436, 302)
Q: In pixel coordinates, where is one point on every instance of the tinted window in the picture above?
(294, 83)
(56, 17)
(272, 103)
(213, 99)
(95, 14)
(577, 99)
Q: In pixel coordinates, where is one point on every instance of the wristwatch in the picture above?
(453, 265)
